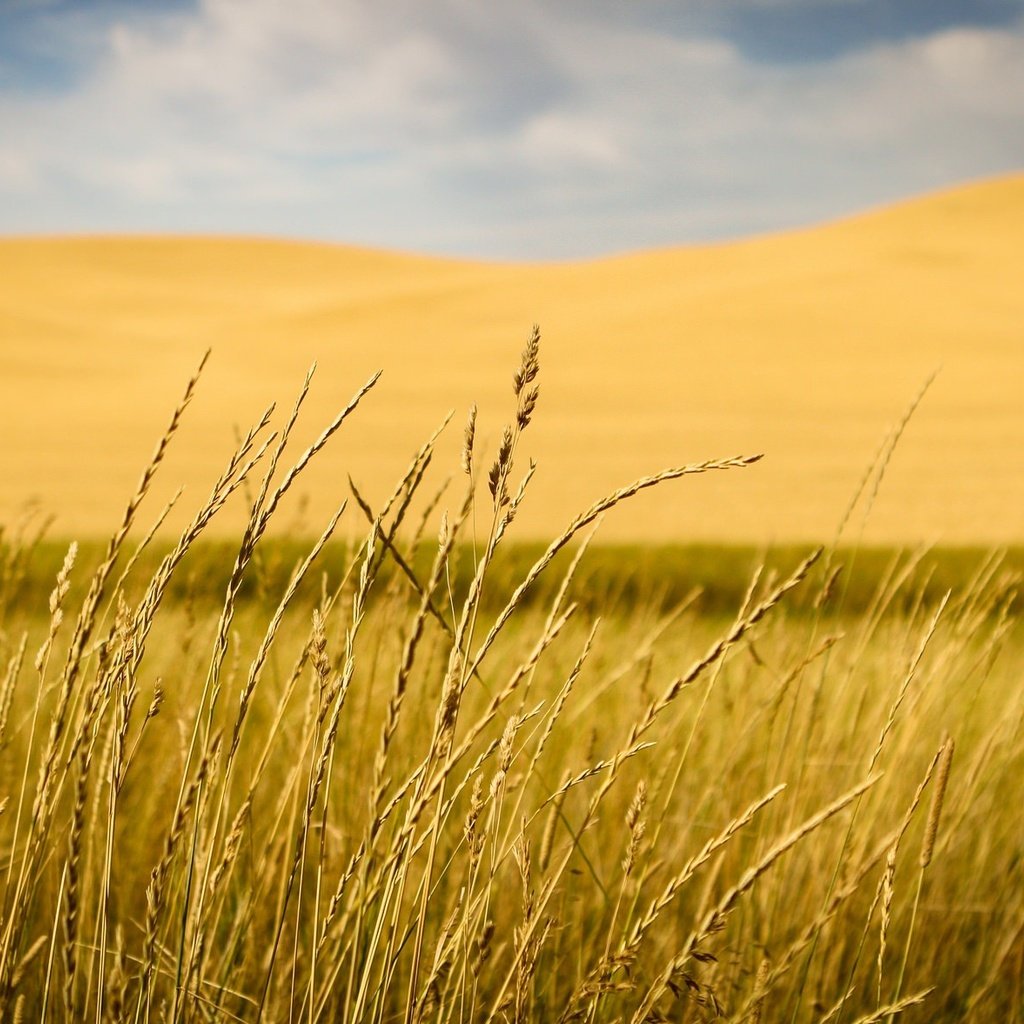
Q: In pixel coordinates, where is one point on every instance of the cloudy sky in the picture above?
(537, 129)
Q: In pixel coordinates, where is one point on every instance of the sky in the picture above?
(539, 129)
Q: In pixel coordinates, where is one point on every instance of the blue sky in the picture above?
(540, 129)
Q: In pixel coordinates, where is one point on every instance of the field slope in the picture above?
(806, 346)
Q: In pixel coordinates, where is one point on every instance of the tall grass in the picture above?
(443, 787)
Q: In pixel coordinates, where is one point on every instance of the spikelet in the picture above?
(505, 755)
(524, 376)
(529, 364)
(483, 948)
(474, 834)
(72, 893)
(935, 811)
(27, 960)
(888, 892)
(505, 746)
(496, 479)
(527, 404)
(318, 656)
(548, 838)
(828, 589)
(60, 591)
(637, 825)
(117, 981)
(760, 981)
(8, 683)
(156, 703)
(451, 700)
(467, 443)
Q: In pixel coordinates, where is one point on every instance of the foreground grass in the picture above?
(415, 790)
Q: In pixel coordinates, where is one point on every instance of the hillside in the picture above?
(806, 346)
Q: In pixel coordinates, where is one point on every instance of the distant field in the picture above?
(805, 346)
(614, 579)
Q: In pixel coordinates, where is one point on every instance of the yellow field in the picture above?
(805, 346)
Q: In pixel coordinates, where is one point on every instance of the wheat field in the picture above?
(412, 781)
(805, 346)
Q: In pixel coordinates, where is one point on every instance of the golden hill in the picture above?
(806, 346)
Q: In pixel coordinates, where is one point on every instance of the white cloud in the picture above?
(529, 130)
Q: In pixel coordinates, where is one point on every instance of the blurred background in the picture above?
(537, 130)
(743, 226)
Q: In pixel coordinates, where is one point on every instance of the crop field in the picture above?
(805, 346)
(400, 765)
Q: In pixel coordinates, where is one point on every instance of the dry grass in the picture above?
(426, 800)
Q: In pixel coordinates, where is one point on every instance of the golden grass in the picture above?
(406, 802)
(803, 346)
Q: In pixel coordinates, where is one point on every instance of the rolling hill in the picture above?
(806, 346)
